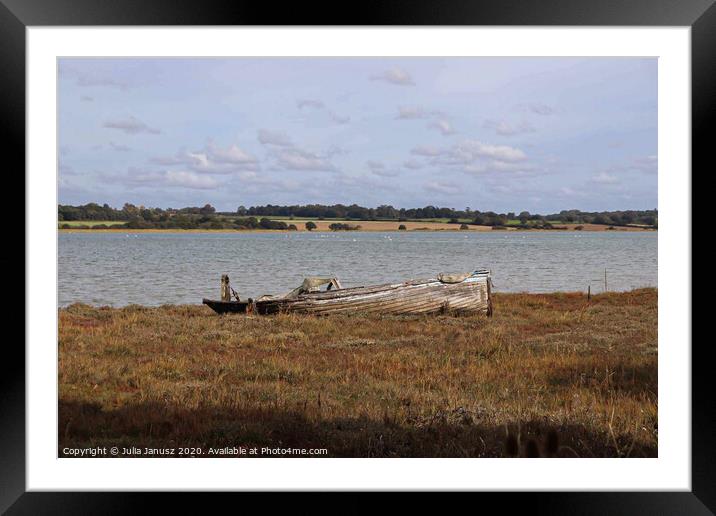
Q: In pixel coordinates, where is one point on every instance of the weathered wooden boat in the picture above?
(469, 293)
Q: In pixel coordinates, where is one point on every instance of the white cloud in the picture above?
(288, 156)
(164, 178)
(233, 155)
(469, 151)
(395, 75)
(212, 160)
(198, 160)
(497, 152)
(439, 122)
(204, 162)
(130, 125)
(496, 166)
(292, 158)
(443, 126)
(472, 157)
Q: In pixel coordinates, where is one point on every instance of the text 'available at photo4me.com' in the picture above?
(228, 451)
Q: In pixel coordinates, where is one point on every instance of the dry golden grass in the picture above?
(550, 375)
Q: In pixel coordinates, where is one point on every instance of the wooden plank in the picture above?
(432, 298)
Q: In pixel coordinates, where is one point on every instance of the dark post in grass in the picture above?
(225, 289)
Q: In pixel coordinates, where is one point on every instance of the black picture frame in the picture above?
(17, 15)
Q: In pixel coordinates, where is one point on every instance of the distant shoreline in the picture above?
(488, 230)
(373, 226)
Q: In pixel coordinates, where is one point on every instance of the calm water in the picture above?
(156, 268)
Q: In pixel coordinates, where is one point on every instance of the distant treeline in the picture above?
(93, 211)
(488, 218)
(258, 217)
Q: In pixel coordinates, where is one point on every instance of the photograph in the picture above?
(357, 257)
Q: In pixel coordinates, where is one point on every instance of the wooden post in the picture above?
(225, 290)
(489, 297)
(605, 280)
(589, 292)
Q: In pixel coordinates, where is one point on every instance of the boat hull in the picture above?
(226, 307)
(433, 296)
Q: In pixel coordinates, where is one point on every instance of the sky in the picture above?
(491, 134)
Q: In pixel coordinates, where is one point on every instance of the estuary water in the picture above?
(121, 268)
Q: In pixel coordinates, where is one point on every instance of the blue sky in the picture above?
(501, 134)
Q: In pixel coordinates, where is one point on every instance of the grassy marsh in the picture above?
(549, 374)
